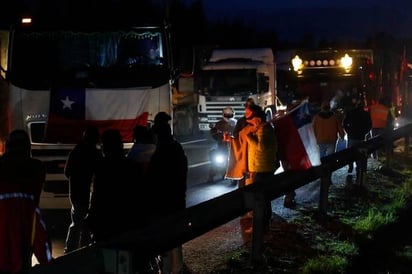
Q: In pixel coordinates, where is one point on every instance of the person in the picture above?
(143, 146)
(327, 128)
(79, 169)
(114, 193)
(161, 118)
(240, 124)
(168, 196)
(22, 229)
(225, 125)
(382, 120)
(357, 124)
(242, 121)
(262, 161)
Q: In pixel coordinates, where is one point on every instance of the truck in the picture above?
(326, 74)
(56, 79)
(229, 77)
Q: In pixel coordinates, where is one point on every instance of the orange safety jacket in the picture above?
(379, 115)
(22, 231)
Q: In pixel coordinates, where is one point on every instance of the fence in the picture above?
(185, 225)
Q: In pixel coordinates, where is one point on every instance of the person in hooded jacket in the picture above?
(357, 124)
(168, 190)
(22, 230)
(327, 128)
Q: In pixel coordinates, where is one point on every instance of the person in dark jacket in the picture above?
(357, 124)
(168, 189)
(224, 126)
(116, 180)
(22, 230)
(116, 207)
(80, 169)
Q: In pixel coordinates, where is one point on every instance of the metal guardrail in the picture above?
(188, 224)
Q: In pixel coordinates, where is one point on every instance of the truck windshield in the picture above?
(93, 58)
(228, 82)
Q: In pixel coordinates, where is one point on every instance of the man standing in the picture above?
(327, 128)
(80, 169)
(357, 124)
(168, 195)
(382, 120)
(224, 126)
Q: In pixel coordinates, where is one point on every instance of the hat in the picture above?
(162, 117)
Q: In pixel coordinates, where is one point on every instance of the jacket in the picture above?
(262, 146)
(22, 230)
(357, 123)
(327, 127)
(379, 115)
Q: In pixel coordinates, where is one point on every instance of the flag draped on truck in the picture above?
(73, 109)
(297, 143)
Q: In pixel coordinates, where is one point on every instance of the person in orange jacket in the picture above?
(327, 127)
(382, 120)
(22, 230)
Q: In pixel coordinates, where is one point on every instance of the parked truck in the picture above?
(229, 77)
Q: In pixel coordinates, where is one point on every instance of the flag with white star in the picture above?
(297, 143)
(74, 109)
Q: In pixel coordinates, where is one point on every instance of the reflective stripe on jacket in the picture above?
(22, 231)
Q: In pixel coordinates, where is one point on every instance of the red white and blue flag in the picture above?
(296, 139)
(73, 109)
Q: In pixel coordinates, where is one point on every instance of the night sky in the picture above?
(356, 19)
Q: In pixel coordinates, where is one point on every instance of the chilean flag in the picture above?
(296, 140)
(74, 109)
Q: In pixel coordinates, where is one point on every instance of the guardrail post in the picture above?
(325, 181)
(363, 165)
(256, 200)
(258, 228)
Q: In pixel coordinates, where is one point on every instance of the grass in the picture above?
(356, 216)
(381, 214)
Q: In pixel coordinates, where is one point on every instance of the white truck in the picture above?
(231, 76)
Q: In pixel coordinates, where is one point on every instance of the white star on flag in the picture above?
(67, 103)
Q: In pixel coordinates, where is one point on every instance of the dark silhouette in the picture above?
(80, 169)
(116, 207)
(143, 146)
(357, 124)
(22, 231)
(114, 192)
(167, 175)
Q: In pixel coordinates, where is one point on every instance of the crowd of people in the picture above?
(253, 144)
(98, 166)
(102, 182)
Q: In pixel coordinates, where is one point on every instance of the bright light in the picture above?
(297, 63)
(346, 62)
(219, 159)
(26, 20)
